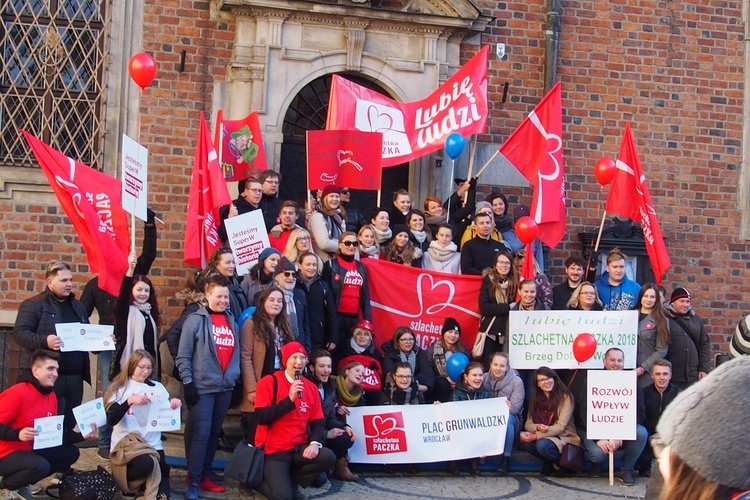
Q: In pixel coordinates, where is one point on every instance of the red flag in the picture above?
(208, 191)
(92, 202)
(404, 295)
(241, 145)
(414, 129)
(345, 158)
(535, 149)
(629, 197)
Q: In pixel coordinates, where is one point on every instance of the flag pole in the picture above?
(611, 468)
(378, 203)
(601, 228)
(471, 164)
(487, 164)
(217, 135)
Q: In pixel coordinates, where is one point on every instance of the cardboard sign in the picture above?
(247, 237)
(134, 177)
(50, 431)
(90, 413)
(612, 411)
(545, 338)
(85, 337)
(428, 433)
(161, 417)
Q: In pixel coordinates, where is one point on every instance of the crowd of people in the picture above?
(307, 354)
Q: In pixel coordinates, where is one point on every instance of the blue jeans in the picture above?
(629, 452)
(543, 448)
(105, 431)
(510, 435)
(206, 416)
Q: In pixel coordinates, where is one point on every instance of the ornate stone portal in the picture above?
(407, 47)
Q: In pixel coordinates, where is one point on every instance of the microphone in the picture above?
(297, 375)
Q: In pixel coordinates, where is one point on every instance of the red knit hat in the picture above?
(289, 349)
(330, 189)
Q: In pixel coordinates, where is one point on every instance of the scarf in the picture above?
(382, 236)
(372, 251)
(408, 396)
(504, 223)
(439, 358)
(308, 282)
(291, 310)
(346, 397)
(545, 409)
(355, 347)
(434, 220)
(420, 236)
(441, 254)
(136, 327)
(412, 360)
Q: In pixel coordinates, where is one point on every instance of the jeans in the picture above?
(69, 391)
(22, 468)
(206, 417)
(543, 448)
(510, 435)
(105, 431)
(629, 452)
(284, 471)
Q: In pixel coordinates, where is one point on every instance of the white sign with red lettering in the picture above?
(612, 411)
(248, 237)
(134, 177)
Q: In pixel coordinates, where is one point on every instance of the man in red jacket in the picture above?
(291, 426)
(31, 398)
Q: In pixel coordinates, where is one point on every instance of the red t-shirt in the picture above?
(351, 288)
(280, 242)
(290, 430)
(223, 339)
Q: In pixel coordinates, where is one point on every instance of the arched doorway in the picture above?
(308, 111)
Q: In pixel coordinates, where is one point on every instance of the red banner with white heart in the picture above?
(407, 296)
(414, 129)
(344, 158)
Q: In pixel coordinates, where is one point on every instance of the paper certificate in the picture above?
(50, 431)
(90, 413)
(161, 417)
(85, 337)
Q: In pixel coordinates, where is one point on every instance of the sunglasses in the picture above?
(289, 274)
(345, 191)
(349, 243)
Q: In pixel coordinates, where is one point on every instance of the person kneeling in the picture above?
(31, 398)
(291, 426)
(137, 456)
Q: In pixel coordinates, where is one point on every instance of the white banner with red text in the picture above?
(428, 433)
(612, 411)
(545, 338)
(247, 237)
(407, 296)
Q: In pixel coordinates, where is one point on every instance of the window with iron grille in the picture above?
(52, 77)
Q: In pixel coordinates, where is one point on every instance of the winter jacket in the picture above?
(689, 351)
(36, 320)
(562, 431)
(256, 361)
(193, 301)
(237, 297)
(328, 401)
(463, 393)
(302, 328)
(511, 387)
(334, 274)
(655, 403)
(489, 308)
(325, 232)
(321, 313)
(270, 206)
(649, 350)
(617, 298)
(197, 361)
(243, 206)
(478, 254)
(423, 375)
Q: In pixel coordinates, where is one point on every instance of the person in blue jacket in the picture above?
(616, 290)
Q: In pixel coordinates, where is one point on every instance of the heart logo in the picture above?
(344, 156)
(379, 122)
(435, 308)
(383, 426)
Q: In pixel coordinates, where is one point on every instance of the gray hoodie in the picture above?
(196, 356)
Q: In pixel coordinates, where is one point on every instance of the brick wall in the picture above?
(673, 70)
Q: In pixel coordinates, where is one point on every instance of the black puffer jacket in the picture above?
(321, 313)
(689, 351)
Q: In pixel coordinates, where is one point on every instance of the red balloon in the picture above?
(527, 229)
(605, 170)
(584, 346)
(142, 69)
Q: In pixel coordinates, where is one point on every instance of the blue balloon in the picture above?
(454, 145)
(246, 314)
(455, 365)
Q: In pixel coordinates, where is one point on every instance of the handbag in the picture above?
(88, 485)
(572, 457)
(246, 464)
(478, 347)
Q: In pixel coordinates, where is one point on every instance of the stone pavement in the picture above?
(428, 484)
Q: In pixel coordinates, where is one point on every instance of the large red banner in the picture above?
(92, 202)
(414, 129)
(407, 296)
(344, 158)
(240, 144)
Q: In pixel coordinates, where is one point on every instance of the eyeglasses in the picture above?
(349, 243)
(503, 263)
(405, 339)
(544, 380)
(289, 274)
(345, 191)
(588, 293)
(303, 238)
(403, 377)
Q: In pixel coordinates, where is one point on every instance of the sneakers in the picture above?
(103, 453)
(208, 485)
(626, 477)
(193, 492)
